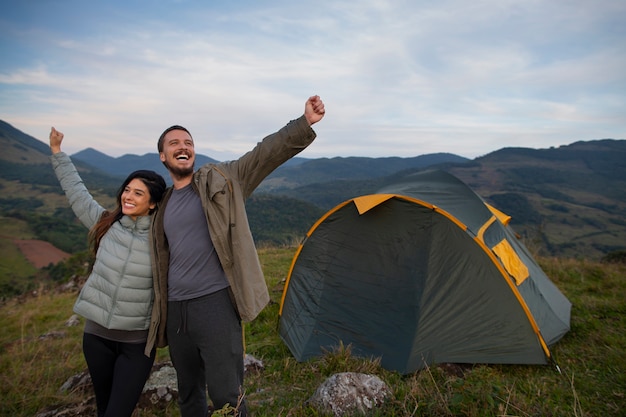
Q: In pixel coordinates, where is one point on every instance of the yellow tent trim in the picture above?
(363, 204)
(293, 261)
(512, 263)
(367, 202)
(504, 218)
(519, 297)
(484, 227)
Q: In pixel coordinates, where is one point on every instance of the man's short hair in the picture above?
(165, 132)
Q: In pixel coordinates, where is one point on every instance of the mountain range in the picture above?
(568, 201)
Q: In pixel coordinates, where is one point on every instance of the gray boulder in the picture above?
(349, 393)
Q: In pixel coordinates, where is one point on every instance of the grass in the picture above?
(14, 267)
(592, 358)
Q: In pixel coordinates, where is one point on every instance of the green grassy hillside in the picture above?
(591, 357)
(567, 201)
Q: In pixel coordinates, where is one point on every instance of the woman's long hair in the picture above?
(156, 188)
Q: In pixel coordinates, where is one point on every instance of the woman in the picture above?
(117, 298)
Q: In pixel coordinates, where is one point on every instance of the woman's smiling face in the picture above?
(135, 199)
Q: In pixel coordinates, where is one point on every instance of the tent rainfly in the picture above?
(422, 272)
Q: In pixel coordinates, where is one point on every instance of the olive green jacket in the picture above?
(223, 189)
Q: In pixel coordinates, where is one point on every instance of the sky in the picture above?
(397, 77)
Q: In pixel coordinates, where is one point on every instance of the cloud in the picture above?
(398, 78)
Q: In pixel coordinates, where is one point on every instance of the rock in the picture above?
(161, 389)
(69, 286)
(252, 364)
(78, 382)
(74, 284)
(72, 321)
(86, 408)
(53, 335)
(348, 393)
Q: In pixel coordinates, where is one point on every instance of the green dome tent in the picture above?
(422, 272)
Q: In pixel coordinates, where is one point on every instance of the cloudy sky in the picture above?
(398, 77)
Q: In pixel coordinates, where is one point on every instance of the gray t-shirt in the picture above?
(195, 269)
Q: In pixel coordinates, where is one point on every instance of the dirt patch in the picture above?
(40, 253)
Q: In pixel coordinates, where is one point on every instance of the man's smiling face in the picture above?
(178, 153)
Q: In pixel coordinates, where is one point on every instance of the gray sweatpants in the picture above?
(206, 347)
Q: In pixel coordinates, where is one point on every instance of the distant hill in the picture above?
(21, 148)
(295, 172)
(345, 169)
(565, 201)
(570, 200)
(122, 166)
(33, 207)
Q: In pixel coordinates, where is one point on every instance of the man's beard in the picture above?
(179, 173)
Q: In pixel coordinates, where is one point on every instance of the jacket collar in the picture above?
(142, 222)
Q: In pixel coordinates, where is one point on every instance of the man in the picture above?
(207, 275)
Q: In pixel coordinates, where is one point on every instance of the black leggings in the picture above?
(118, 371)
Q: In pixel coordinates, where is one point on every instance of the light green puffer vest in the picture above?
(119, 291)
